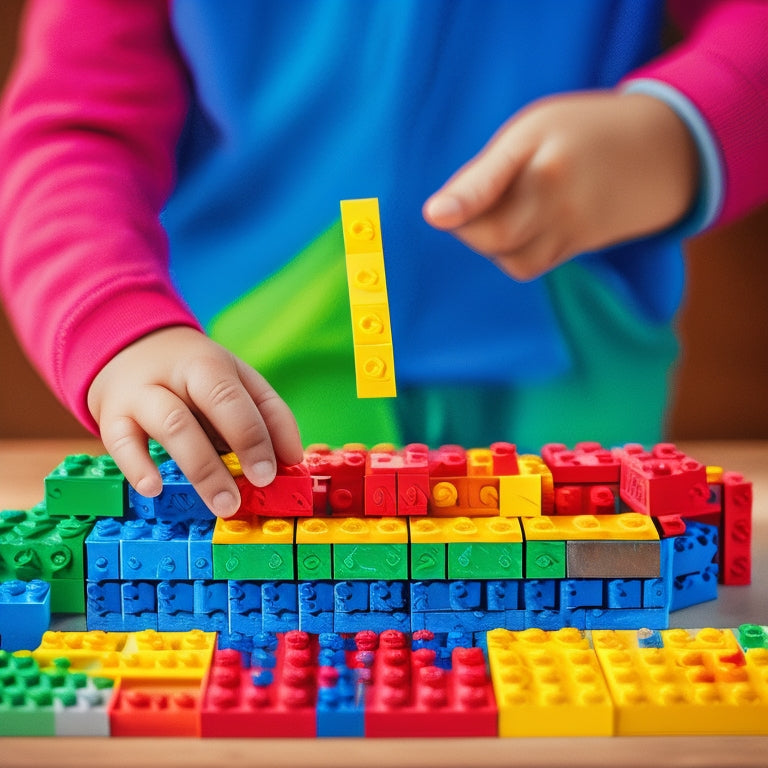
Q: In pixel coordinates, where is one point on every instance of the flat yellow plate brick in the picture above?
(520, 495)
(361, 224)
(352, 530)
(370, 324)
(256, 530)
(375, 370)
(451, 530)
(629, 526)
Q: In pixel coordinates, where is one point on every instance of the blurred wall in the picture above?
(721, 386)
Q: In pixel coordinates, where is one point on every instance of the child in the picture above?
(169, 213)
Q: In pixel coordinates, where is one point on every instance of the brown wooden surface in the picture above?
(723, 375)
(24, 464)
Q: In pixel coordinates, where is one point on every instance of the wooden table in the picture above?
(24, 464)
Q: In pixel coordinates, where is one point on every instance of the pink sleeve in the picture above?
(722, 67)
(88, 130)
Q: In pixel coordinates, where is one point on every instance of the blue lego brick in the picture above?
(389, 596)
(656, 593)
(581, 593)
(694, 550)
(375, 621)
(540, 594)
(211, 597)
(351, 596)
(315, 606)
(177, 501)
(340, 708)
(102, 550)
(25, 613)
(279, 606)
(628, 618)
(694, 588)
(502, 595)
(244, 598)
(201, 549)
(625, 593)
(457, 621)
(465, 595)
(552, 619)
(139, 605)
(429, 596)
(157, 550)
(650, 638)
(103, 597)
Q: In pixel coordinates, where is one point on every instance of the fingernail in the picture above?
(443, 207)
(147, 486)
(224, 504)
(263, 472)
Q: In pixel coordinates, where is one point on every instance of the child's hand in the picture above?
(569, 174)
(194, 397)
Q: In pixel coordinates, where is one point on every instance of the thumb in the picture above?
(479, 185)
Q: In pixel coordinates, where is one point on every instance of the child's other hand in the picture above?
(570, 174)
(194, 397)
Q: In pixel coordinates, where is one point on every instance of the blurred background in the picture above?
(721, 384)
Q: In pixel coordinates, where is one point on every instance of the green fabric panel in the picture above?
(616, 392)
(308, 300)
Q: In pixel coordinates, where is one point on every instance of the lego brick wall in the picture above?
(719, 387)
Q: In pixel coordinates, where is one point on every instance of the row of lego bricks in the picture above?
(416, 480)
(369, 305)
(352, 481)
(688, 575)
(242, 608)
(604, 546)
(391, 684)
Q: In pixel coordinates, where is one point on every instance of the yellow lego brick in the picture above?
(530, 464)
(452, 530)
(520, 495)
(479, 462)
(232, 463)
(375, 370)
(628, 526)
(152, 640)
(714, 474)
(548, 684)
(707, 639)
(361, 224)
(352, 530)
(681, 690)
(255, 530)
(366, 279)
(370, 324)
(83, 649)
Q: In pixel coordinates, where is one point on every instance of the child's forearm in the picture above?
(87, 138)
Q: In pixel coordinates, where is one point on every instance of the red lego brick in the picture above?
(288, 495)
(736, 530)
(156, 708)
(448, 461)
(663, 482)
(275, 700)
(413, 481)
(586, 499)
(409, 696)
(345, 470)
(669, 525)
(585, 463)
(504, 459)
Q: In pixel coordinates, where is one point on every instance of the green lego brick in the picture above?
(544, 559)
(313, 562)
(263, 562)
(26, 698)
(39, 546)
(428, 561)
(753, 636)
(386, 562)
(485, 560)
(67, 596)
(86, 485)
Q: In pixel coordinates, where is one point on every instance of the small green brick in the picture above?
(428, 561)
(263, 562)
(86, 485)
(480, 560)
(544, 559)
(387, 562)
(313, 562)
